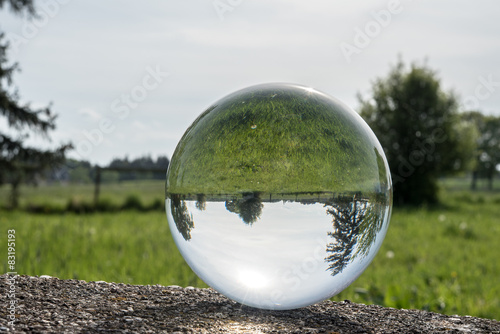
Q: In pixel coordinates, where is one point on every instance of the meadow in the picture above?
(56, 197)
(276, 138)
(442, 259)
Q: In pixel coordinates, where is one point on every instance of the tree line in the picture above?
(120, 169)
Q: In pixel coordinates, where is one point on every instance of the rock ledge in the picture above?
(46, 304)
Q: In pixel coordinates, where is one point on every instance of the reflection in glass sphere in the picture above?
(278, 196)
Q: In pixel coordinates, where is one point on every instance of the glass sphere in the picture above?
(278, 196)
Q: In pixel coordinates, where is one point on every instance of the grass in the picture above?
(276, 139)
(440, 259)
(57, 197)
(464, 184)
(443, 260)
(128, 247)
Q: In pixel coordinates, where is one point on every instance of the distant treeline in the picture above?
(79, 171)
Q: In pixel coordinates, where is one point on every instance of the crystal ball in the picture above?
(278, 196)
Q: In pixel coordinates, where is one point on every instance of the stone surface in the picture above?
(46, 304)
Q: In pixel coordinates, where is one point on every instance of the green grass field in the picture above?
(55, 197)
(443, 260)
(276, 138)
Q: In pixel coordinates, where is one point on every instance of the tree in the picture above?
(183, 219)
(347, 217)
(487, 154)
(249, 208)
(18, 6)
(19, 162)
(141, 163)
(418, 126)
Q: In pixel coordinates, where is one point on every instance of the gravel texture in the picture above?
(46, 304)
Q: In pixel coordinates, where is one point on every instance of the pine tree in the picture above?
(19, 162)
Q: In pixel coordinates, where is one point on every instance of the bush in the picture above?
(106, 205)
(133, 202)
(157, 205)
(77, 205)
(44, 208)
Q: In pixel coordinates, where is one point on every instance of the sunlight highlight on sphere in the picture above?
(278, 196)
(252, 279)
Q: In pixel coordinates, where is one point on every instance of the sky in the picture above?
(127, 78)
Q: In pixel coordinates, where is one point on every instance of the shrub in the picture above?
(77, 205)
(157, 205)
(134, 202)
(106, 205)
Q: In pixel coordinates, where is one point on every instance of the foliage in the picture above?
(19, 162)
(249, 208)
(18, 6)
(134, 202)
(417, 124)
(81, 171)
(487, 154)
(145, 162)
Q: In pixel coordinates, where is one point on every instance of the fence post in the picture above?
(97, 185)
